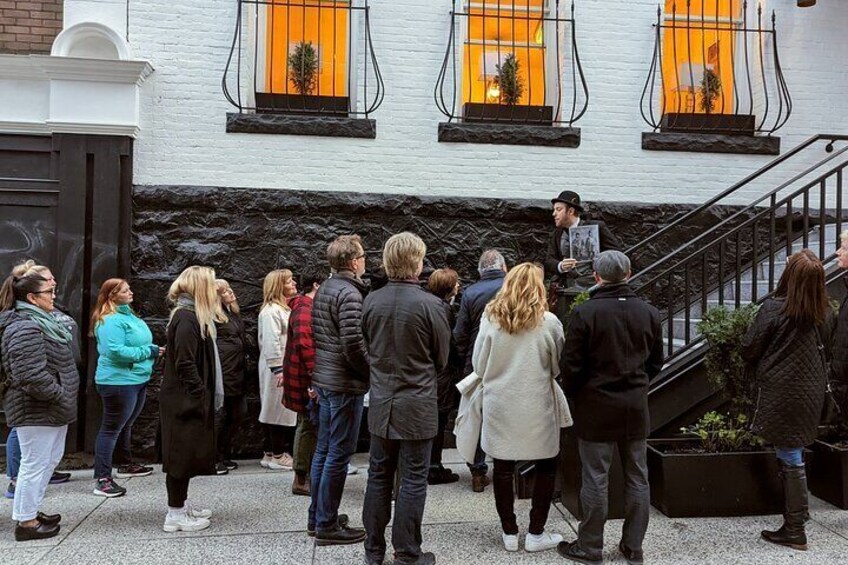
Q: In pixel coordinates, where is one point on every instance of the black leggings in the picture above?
(278, 439)
(543, 490)
(439, 441)
(177, 491)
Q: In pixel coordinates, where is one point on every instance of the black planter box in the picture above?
(502, 113)
(827, 475)
(687, 485)
(571, 478)
(728, 124)
(301, 104)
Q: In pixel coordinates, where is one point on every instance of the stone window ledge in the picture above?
(284, 124)
(711, 143)
(509, 134)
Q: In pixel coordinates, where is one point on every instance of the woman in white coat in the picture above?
(279, 421)
(516, 357)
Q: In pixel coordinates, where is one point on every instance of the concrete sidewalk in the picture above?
(258, 521)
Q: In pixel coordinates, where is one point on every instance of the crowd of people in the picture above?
(500, 356)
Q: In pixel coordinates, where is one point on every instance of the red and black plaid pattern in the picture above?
(299, 359)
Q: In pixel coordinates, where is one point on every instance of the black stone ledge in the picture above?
(711, 143)
(509, 134)
(282, 124)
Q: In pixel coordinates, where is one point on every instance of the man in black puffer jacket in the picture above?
(839, 382)
(340, 379)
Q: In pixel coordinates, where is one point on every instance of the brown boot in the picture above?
(479, 482)
(300, 485)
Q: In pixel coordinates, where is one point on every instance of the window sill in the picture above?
(509, 134)
(711, 143)
(284, 124)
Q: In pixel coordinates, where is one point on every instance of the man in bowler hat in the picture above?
(567, 213)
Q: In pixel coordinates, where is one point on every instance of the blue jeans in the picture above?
(412, 457)
(121, 406)
(13, 454)
(339, 417)
(792, 456)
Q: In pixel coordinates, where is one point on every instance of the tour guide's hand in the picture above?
(312, 394)
(567, 264)
(278, 372)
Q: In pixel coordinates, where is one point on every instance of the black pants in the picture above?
(543, 490)
(278, 439)
(386, 456)
(177, 491)
(227, 418)
(439, 442)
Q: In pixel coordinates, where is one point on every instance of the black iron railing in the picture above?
(713, 71)
(512, 62)
(737, 261)
(308, 57)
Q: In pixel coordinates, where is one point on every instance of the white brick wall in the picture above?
(183, 110)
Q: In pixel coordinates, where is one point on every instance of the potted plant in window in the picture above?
(709, 121)
(718, 467)
(503, 96)
(302, 73)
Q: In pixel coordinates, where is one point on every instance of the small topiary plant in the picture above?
(303, 67)
(509, 81)
(710, 90)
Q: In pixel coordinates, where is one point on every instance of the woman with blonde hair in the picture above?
(516, 359)
(126, 354)
(279, 421)
(192, 390)
(231, 345)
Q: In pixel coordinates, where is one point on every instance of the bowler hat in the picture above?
(568, 198)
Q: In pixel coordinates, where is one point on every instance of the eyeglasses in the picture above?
(359, 257)
(50, 290)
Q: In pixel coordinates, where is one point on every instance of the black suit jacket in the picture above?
(608, 242)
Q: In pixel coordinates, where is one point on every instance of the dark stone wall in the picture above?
(244, 233)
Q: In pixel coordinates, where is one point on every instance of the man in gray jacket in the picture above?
(408, 336)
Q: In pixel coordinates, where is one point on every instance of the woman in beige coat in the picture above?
(516, 357)
(279, 421)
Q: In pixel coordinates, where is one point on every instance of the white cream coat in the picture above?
(273, 334)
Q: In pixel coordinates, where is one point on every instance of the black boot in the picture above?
(791, 533)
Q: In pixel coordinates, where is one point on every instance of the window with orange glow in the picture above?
(496, 29)
(700, 39)
(324, 24)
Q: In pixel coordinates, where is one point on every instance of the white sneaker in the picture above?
(184, 523)
(542, 542)
(282, 463)
(266, 459)
(352, 469)
(195, 512)
(510, 542)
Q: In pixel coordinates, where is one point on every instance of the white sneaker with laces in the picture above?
(195, 512)
(282, 463)
(352, 469)
(266, 459)
(541, 542)
(510, 542)
(182, 522)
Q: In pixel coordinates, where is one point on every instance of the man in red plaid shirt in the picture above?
(298, 363)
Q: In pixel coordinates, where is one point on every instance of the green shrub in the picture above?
(303, 67)
(721, 433)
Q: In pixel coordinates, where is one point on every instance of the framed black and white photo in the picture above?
(585, 243)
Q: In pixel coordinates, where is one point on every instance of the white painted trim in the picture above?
(68, 39)
(24, 127)
(94, 70)
(93, 128)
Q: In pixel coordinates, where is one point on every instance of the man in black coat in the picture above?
(567, 212)
(340, 378)
(839, 382)
(408, 337)
(612, 350)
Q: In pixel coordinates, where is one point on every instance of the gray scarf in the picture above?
(186, 301)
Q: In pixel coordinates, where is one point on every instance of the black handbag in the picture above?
(831, 412)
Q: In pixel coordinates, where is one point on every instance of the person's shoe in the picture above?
(372, 561)
(632, 556)
(784, 537)
(231, 465)
(352, 469)
(49, 519)
(300, 485)
(343, 520)
(10, 490)
(58, 477)
(426, 558)
(340, 536)
(185, 523)
(541, 542)
(266, 460)
(109, 488)
(221, 469)
(133, 470)
(573, 551)
(441, 476)
(510, 541)
(478, 483)
(196, 512)
(40, 531)
(282, 463)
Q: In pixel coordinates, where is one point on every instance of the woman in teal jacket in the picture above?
(126, 356)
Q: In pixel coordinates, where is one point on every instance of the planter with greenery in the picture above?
(302, 73)
(718, 467)
(708, 121)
